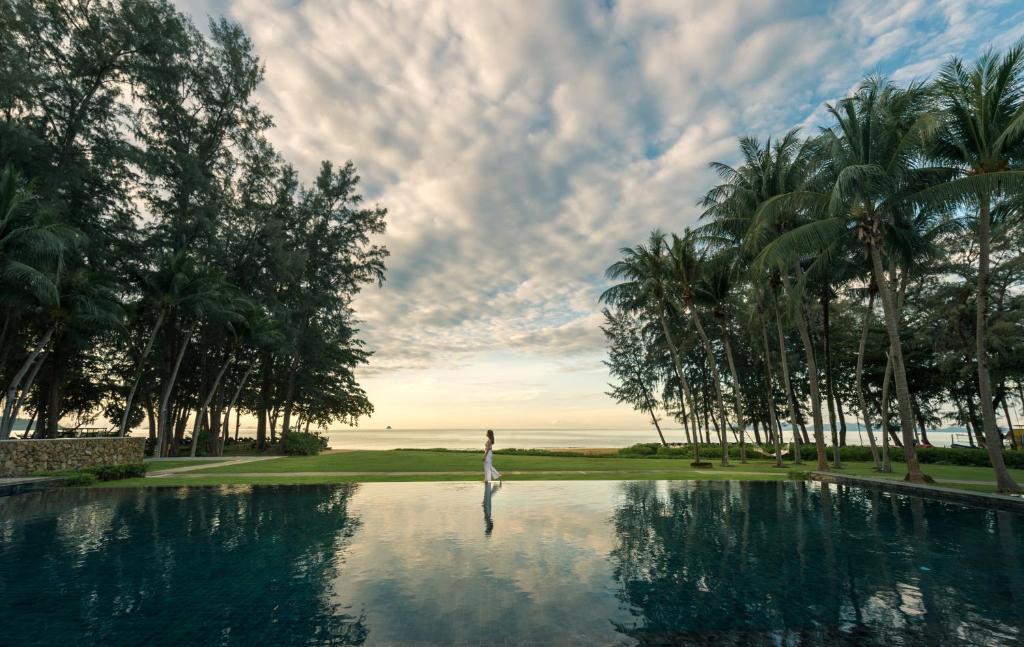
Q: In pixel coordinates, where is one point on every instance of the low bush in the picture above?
(117, 472)
(80, 479)
(300, 443)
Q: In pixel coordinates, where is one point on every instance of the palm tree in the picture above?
(642, 288)
(176, 283)
(737, 209)
(864, 189)
(982, 138)
(685, 266)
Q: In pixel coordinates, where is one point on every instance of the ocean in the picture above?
(360, 438)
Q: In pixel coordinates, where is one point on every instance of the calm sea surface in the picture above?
(529, 563)
(359, 438)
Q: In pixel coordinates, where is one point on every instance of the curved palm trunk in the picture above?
(736, 392)
(812, 376)
(123, 429)
(790, 398)
(683, 384)
(719, 401)
(6, 422)
(25, 390)
(993, 441)
(165, 398)
(899, 371)
(231, 405)
(201, 411)
(860, 381)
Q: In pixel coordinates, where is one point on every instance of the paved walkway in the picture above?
(201, 464)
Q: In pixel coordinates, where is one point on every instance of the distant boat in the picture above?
(388, 427)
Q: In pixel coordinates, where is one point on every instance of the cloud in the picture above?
(519, 145)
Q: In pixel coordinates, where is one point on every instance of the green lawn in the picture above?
(465, 466)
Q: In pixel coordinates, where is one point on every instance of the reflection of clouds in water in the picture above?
(529, 579)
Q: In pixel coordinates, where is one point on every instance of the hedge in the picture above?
(854, 453)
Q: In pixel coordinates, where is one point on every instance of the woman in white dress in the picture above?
(490, 474)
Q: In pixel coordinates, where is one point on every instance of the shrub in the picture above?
(300, 443)
(80, 479)
(117, 472)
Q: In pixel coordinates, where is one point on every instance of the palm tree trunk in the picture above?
(993, 441)
(736, 392)
(231, 405)
(123, 429)
(771, 396)
(25, 390)
(790, 398)
(812, 373)
(865, 414)
(899, 371)
(289, 393)
(165, 397)
(683, 385)
(883, 410)
(6, 424)
(829, 391)
(201, 412)
(637, 362)
(719, 401)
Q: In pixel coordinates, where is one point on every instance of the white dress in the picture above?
(490, 474)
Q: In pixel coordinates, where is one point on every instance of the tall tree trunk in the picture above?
(993, 441)
(151, 417)
(864, 412)
(289, 394)
(790, 398)
(12, 389)
(771, 396)
(684, 387)
(899, 371)
(163, 427)
(842, 422)
(974, 425)
(812, 372)
(25, 393)
(264, 401)
(717, 379)
(201, 411)
(637, 363)
(922, 425)
(829, 391)
(123, 428)
(740, 426)
(1006, 412)
(55, 392)
(231, 405)
(883, 410)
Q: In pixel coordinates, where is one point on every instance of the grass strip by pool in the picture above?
(419, 465)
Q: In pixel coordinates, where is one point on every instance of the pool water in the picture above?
(588, 563)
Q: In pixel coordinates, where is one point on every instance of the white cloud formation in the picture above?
(518, 145)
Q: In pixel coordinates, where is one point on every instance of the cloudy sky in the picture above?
(519, 145)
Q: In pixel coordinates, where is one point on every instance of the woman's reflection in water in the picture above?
(489, 491)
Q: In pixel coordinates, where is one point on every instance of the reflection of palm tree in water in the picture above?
(489, 491)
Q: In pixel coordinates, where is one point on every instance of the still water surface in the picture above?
(589, 563)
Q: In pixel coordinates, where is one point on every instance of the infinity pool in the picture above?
(588, 563)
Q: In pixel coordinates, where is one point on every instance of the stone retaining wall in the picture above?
(25, 457)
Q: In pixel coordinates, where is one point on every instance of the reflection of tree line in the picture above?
(216, 566)
(740, 563)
